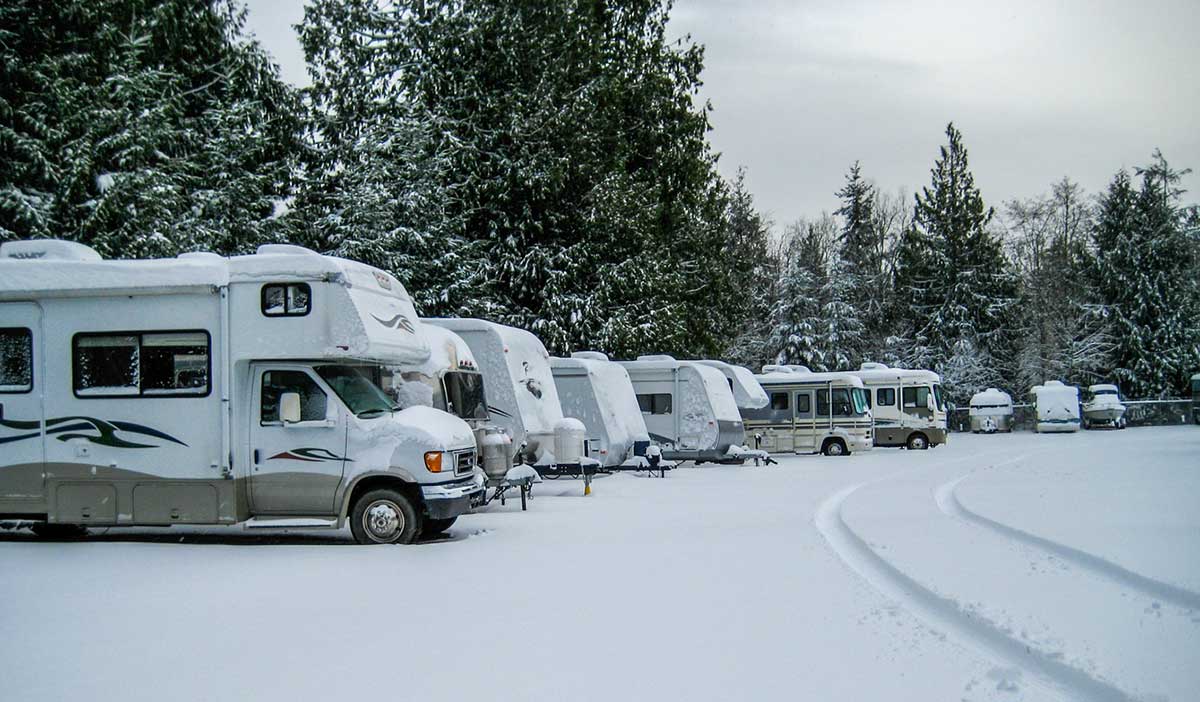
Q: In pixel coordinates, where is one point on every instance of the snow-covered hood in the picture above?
(421, 426)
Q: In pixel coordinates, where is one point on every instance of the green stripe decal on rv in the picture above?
(105, 433)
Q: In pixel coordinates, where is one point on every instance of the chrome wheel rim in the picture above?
(835, 449)
(918, 443)
(383, 521)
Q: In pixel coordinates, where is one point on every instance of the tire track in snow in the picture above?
(945, 614)
(948, 502)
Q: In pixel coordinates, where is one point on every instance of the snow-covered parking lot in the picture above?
(1010, 567)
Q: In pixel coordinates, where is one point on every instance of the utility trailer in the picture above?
(211, 390)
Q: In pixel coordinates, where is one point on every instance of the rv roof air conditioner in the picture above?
(798, 369)
(285, 250)
(53, 249)
(590, 356)
(656, 357)
(200, 256)
(871, 365)
(774, 368)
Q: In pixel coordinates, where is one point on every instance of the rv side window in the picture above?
(657, 403)
(841, 403)
(286, 300)
(917, 398)
(779, 401)
(276, 383)
(803, 403)
(16, 360)
(885, 397)
(160, 364)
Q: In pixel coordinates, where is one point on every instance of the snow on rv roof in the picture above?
(746, 390)
(786, 376)
(870, 371)
(447, 351)
(990, 397)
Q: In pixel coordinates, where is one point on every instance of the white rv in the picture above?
(689, 409)
(747, 393)
(908, 406)
(210, 390)
(599, 393)
(1057, 407)
(1103, 406)
(810, 412)
(991, 411)
(521, 394)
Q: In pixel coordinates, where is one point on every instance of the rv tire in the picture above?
(385, 516)
(437, 526)
(918, 442)
(59, 532)
(834, 447)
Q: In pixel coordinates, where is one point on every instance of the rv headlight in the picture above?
(433, 461)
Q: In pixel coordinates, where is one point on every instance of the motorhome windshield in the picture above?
(859, 396)
(356, 388)
(464, 395)
(937, 397)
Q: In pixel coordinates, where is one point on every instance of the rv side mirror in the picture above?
(289, 407)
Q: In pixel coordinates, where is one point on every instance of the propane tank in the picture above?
(497, 449)
(569, 435)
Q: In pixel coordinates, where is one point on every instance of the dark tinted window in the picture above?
(885, 397)
(286, 300)
(803, 403)
(656, 403)
(276, 383)
(841, 403)
(779, 400)
(16, 360)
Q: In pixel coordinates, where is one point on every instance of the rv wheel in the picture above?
(834, 447)
(437, 526)
(384, 517)
(918, 442)
(59, 532)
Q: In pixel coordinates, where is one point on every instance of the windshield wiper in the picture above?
(374, 412)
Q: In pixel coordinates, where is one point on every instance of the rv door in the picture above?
(22, 384)
(297, 442)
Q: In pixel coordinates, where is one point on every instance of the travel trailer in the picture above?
(599, 393)
(521, 395)
(1103, 406)
(991, 411)
(907, 405)
(1057, 407)
(689, 409)
(210, 390)
(810, 412)
(747, 393)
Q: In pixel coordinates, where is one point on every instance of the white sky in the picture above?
(1040, 89)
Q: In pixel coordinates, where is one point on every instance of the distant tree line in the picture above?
(547, 165)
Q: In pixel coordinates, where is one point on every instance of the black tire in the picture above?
(834, 447)
(59, 532)
(385, 516)
(437, 526)
(917, 442)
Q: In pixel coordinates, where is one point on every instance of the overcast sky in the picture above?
(1040, 89)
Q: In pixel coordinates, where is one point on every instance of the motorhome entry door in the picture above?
(295, 466)
(22, 384)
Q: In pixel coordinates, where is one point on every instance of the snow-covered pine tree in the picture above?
(1146, 273)
(860, 270)
(797, 317)
(952, 281)
(757, 271)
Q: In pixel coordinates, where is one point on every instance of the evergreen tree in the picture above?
(797, 317)
(749, 256)
(952, 278)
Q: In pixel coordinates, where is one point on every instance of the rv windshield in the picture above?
(357, 390)
(464, 395)
(937, 396)
(859, 396)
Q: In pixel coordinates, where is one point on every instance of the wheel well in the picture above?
(917, 433)
(375, 482)
(833, 440)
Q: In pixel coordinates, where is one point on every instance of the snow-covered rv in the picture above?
(991, 411)
(689, 409)
(521, 394)
(210, 390)
(1103, 406)
(747, 393)
(1057, 407)
(810, 412)
(599, 393)
(907, 404)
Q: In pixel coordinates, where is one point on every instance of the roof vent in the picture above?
(871, 365)
(48, 249)
(773, 368)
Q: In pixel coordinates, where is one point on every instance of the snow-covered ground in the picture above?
(1008, 567)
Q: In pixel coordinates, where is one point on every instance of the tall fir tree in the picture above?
(749, 255)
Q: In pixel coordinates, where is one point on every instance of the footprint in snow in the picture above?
(1007, 679)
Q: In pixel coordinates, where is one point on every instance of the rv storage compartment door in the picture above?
(21, 388)
(295, 468)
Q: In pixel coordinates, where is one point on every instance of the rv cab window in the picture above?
(16, 360)
(657, 403)
(885, 397)
(841, 403)
(286, 299)
(276, 383)
(916, 398)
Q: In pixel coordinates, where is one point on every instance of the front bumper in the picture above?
(446, 500)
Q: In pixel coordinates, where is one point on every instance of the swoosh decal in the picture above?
(397, 322)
